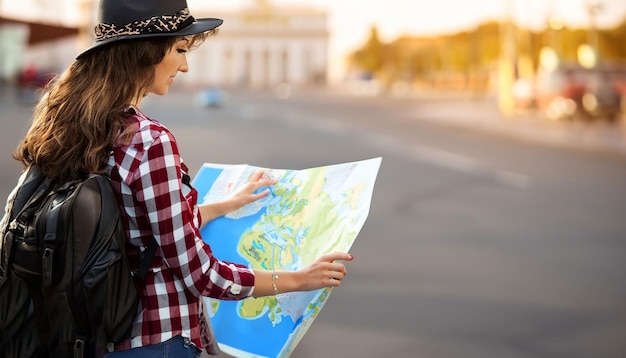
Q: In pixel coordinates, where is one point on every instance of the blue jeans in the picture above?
(173, 348)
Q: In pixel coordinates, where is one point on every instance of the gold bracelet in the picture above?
(274, 278)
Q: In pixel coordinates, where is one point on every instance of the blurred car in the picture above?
(574, 92)
(602, 98)
(31, 83)
(211, 98)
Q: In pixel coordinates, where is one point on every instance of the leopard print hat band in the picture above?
(155, 24)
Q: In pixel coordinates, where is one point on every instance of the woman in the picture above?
(90, 121)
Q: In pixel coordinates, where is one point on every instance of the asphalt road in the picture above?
(477, 244)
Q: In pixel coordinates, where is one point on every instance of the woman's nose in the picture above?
(184, 67)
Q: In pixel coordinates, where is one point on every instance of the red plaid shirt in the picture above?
(147, 178)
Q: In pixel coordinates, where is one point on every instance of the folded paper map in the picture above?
(308, 213)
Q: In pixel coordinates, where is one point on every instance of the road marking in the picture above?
(445, 159)
(431, 155)
(453, 161)
(516, 180)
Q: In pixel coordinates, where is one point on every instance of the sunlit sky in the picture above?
(351, 20)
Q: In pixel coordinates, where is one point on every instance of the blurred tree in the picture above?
(370, 57)
(466, 58)
(612, 42)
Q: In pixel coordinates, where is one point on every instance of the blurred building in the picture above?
(13, 40)
(260, 45)
(264, 45)
(37, 34)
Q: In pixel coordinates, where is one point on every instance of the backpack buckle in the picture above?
(79, 348)
(46, 264)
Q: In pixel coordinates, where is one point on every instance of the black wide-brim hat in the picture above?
(135, 19)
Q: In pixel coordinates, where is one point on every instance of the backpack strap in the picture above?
(148, 254)
(50, 238)
(33, 180)
(108, 200)
(83, 328)
(146, 258)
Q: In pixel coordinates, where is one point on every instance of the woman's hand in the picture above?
(246, 194)
(243, 196)
(324, 272)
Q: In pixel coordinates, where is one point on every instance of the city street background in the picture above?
(498, 221)
(483, 239)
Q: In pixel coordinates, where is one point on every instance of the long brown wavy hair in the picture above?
(84, 111)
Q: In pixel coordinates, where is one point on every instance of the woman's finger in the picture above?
(333, 256)
(256, 176)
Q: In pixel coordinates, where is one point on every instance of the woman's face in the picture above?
(175, 60)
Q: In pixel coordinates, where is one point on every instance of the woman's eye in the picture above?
(182, 50)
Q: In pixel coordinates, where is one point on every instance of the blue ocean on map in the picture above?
(223, 235)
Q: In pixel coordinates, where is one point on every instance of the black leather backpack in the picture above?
(66, 288)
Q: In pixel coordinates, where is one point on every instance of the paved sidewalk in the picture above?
(484, 114)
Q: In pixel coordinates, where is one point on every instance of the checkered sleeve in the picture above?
(173, 218)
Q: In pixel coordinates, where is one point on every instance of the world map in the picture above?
(307, 214)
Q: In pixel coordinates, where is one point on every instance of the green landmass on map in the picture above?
(283, 237)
